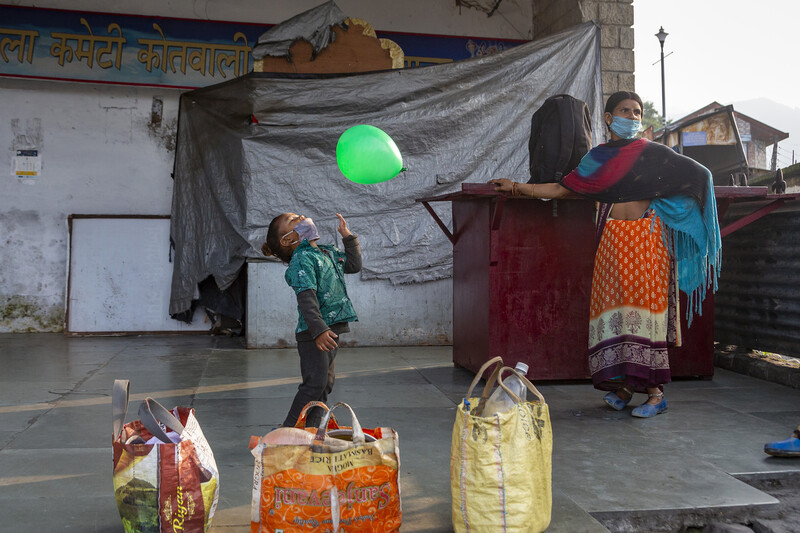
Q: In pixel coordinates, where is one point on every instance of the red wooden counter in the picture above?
(522, 272)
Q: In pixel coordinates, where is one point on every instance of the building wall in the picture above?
(757, 154)
(101, 155)
(615, 18)
(755, 148)
(511, 21)
(388, 315)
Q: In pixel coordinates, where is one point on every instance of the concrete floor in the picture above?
(55, 454)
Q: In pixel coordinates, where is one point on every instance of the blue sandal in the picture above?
(615, 402)
(785, 448)
(647, 410)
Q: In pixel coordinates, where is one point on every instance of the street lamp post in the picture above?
(662, 36)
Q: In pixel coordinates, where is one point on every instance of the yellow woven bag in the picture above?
(501, 465)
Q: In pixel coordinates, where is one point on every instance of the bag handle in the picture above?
(152, 414)
(498, 362)
(358, 433)
(301, 419)
(524, 380)
(120, 395)
(479, 374)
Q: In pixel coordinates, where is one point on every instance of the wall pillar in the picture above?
(615, 18)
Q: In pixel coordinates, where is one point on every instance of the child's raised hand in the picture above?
(343, 230)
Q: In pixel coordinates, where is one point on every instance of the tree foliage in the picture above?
(651, 117)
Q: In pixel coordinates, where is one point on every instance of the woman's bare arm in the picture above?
(532, 190)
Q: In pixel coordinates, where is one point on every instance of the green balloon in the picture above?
(366, 154)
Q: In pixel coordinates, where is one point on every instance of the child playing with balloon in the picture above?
(316, 274)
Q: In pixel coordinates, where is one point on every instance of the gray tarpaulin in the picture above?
(315, 26)
(467, 121)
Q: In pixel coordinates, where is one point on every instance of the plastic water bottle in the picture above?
(500, 401)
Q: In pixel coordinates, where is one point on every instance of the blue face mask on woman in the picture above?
(625, 127)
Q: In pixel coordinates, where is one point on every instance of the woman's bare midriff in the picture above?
(629, 210)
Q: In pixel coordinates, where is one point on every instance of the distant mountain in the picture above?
(779, 116)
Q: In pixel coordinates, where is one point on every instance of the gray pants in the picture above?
(317, 370)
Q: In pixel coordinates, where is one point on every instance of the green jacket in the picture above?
(322, 270)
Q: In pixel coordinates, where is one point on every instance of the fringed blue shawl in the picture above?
(694, 240)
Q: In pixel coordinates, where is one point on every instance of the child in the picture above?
(316, 273)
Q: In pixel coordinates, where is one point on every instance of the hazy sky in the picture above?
(723, 50)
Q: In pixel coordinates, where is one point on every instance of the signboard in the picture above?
(423, 50)
(694, 138)
(27, 164)
(167, 52)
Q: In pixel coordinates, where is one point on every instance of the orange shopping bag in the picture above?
(338, 480)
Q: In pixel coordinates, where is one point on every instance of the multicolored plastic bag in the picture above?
(165, 476)
(501, 465)
(350, 484)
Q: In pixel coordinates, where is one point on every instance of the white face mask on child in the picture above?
(306, 229)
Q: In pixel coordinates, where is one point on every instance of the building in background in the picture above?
(731, 144)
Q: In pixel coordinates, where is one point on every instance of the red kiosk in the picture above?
(522, 271)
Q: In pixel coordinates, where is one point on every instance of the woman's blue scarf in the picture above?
(694, 239)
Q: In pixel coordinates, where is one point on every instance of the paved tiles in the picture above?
(55, 455)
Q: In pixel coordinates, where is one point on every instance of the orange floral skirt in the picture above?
(630, 323)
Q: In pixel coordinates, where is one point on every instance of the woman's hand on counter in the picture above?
(502, 184)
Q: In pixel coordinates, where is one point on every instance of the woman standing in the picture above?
(657, 232)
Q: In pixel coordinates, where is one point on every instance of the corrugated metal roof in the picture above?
(758, 303)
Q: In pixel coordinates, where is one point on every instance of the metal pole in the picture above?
(662, 36)
(775, 156)
(663, 97)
